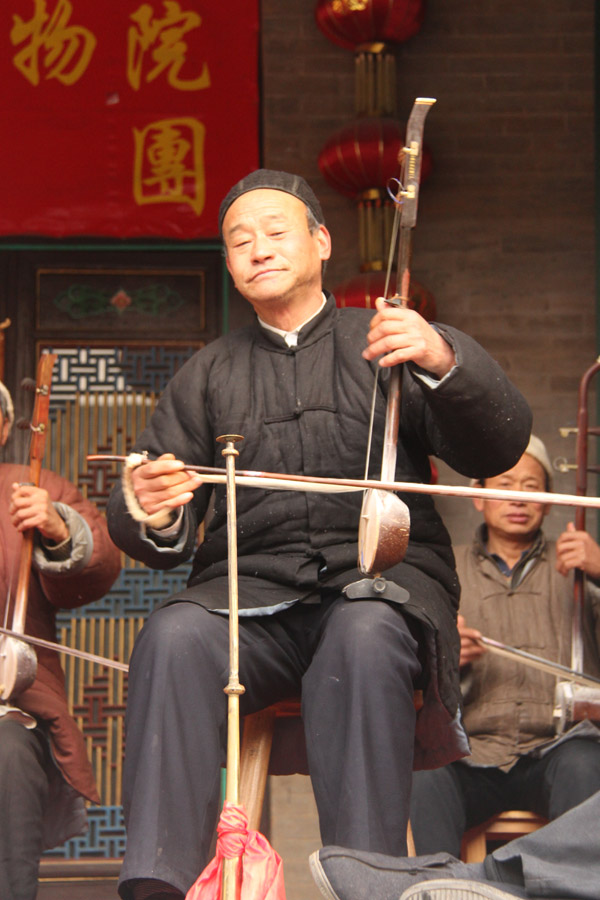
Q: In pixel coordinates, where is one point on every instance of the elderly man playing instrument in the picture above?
(45, 774)
(297, 385)
(517, 588)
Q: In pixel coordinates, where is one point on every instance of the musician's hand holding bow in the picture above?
(401, 335)
(470, 648)
(163, 483)
(31, 507)
(577, 550)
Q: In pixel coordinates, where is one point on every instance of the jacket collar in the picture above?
(526, 561)
(311, 331)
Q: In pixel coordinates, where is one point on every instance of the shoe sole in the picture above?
(320, 878)
(454, 889)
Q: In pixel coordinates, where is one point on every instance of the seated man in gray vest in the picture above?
(517, 588)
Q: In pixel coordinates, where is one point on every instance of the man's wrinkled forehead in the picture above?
(265, 207)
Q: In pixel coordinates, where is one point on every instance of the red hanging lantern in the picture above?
(352, 23)
(364, 155)
(362, 291)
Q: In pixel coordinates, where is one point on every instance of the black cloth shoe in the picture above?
(458, 889)
(342, 874)
(151, 889)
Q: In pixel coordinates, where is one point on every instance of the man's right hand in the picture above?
(470, 649)
(577, 550)
(163, 483)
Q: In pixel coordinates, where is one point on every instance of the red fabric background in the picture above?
(67, 152)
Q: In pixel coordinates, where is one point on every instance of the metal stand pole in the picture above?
(231, 874)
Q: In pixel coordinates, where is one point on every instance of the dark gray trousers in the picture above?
(446, 802)
(560, 860)
(354, 664)
(23, 798)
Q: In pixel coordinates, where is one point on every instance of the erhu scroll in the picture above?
(3, 326)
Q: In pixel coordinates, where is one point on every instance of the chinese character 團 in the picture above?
(169, 163)
(162, 40)
(62, 51)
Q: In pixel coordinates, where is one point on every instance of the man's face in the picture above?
(515, 519)
(272, 256)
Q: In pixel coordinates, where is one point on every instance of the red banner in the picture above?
(125, 118)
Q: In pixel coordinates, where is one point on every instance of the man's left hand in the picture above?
(401, 335)
(470, 648)
(31, 507)
(577, 550)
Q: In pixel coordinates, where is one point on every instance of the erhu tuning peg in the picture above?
(562, 465)
(29, 384)
(26, 425)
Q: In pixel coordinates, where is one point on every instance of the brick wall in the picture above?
(505, 237)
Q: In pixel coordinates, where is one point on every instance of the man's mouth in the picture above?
(263, 273)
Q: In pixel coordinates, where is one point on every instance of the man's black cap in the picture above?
(276, 181)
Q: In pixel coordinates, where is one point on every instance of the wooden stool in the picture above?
(503, 827)
(256, 751)
(410, 841)
(255, 754)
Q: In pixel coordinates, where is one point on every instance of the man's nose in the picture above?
(518, 500)
(262, 247)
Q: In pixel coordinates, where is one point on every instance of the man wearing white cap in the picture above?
(517, 588)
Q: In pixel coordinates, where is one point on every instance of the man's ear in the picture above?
(547, 508)
(324, 241)
(478, 504)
